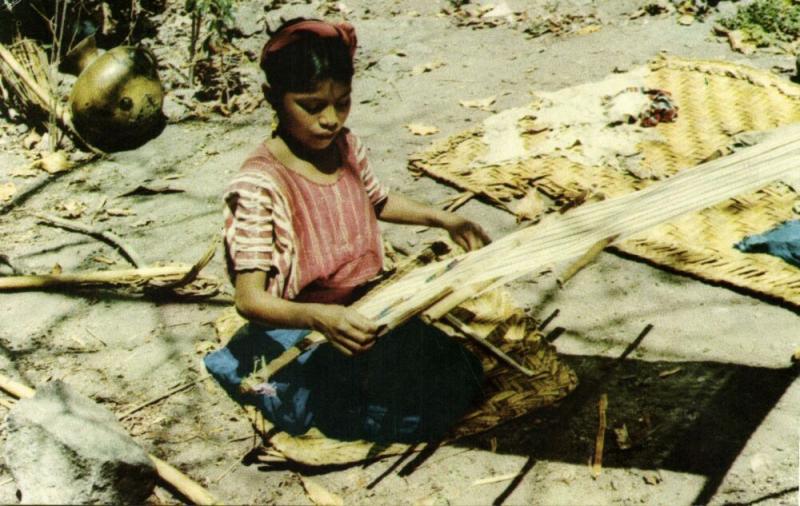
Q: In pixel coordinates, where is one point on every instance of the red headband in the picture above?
(322, 29)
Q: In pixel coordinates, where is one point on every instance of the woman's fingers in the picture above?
(483, 236)
(342, 349)
(362, 324)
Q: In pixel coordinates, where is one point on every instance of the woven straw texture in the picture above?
(716, 102)
(508, 393)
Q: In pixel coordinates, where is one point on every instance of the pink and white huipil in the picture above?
(316, 241)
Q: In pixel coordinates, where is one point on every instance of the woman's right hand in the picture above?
(346, 329)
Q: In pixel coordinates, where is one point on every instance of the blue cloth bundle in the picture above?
(412, 385)
(782, 241)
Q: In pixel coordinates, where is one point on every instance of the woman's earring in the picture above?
(274, 125)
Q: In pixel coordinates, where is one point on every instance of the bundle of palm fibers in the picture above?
(26, 82)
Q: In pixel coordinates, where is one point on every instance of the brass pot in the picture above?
(116, 101)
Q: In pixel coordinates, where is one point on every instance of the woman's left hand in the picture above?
(467, 234)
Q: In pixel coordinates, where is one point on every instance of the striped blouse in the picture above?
(316, 241)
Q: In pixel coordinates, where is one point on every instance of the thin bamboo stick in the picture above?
(597, 459)
(182, 483)
(469, 332)
(584, 260)
(118, 276)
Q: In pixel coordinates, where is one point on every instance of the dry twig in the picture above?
(172, 391)
(104, 235)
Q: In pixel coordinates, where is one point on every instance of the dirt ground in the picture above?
(704, 387)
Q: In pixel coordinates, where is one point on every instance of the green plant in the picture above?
(765, 22)
(218, 15)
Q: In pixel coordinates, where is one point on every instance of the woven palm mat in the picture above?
(508, 394)
(586, 143)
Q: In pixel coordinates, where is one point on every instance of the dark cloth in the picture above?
(413, 385)
(782, 241)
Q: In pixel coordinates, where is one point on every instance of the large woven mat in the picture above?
(508, 393)
(716, 101)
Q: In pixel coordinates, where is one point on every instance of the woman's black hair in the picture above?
(300, 66)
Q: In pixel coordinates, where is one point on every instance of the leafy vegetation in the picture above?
(766, 22)
(218, 15)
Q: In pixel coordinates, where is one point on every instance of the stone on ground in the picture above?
(63, 448)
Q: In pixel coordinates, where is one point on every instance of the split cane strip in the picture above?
(182, 483)
(597, 461)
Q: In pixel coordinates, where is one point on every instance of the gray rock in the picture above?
(250, 18)
(63, 448)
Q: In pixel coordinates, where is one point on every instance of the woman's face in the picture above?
(314, 119)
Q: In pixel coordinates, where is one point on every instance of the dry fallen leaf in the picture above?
(652, 478)
(31, 140)
(55, 162)
(669, 372)
(588, 29)
(70, 208)
(686, 19)
(319, 495)
(116, 211)
(152, 190)
(419, 129)
(203, 347)
(484, 104)
(530, 207)
(104, 260)
(228, 323)
(26, 171)
(142, 223)
(426, 67)
(623, 438)
(737, 42)
(7, 191)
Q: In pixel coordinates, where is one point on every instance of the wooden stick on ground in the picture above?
(108, 237)
(597, 461)
(469, 332)
(119, 276)
(185, 273)
(182, 483)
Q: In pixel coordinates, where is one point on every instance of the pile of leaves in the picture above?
(767, 22)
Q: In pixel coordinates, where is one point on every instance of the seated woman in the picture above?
(301, 235)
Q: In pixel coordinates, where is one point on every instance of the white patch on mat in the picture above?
(591, 124)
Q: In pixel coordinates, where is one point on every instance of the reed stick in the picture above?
(117, 276)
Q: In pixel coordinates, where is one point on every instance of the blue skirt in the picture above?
(413, 385)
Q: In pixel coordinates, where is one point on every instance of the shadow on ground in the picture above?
(688, 417)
